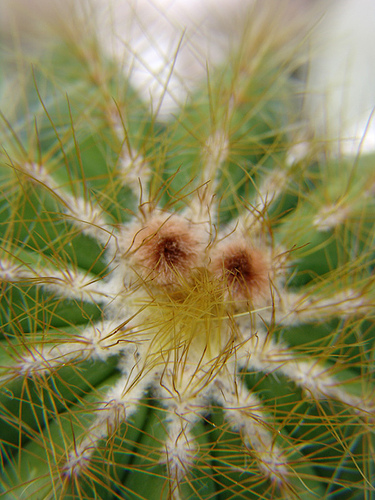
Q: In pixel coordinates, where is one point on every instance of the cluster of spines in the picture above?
(307, 374)
(299, 307)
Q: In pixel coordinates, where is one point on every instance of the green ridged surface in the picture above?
(60, 116)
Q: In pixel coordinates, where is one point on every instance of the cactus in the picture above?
(187, 305)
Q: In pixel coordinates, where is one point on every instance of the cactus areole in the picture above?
(187, 311)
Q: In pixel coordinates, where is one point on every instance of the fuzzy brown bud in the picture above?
(166, 249)
(244, 270)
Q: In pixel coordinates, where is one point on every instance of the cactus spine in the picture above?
(187, 311)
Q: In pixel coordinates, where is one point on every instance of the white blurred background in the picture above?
(169, 43)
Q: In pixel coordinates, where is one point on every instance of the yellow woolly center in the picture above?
(189, 323)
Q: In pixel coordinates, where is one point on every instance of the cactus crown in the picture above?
(187, 305)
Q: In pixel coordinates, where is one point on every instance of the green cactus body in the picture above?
(186, 313)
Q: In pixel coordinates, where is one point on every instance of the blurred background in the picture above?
(166, 47)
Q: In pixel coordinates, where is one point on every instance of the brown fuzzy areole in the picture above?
(244, 269)
(166, 249)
